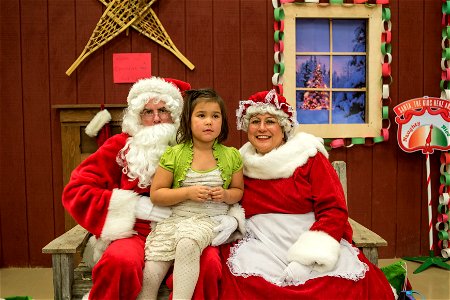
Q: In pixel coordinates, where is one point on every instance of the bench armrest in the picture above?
(72, 241)
(363, 237)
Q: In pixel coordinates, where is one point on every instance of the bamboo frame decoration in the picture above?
(150, 26)
(119, 16)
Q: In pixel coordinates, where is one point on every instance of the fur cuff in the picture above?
(316, 249)
(99, 120)
(237, 211)
(121, 217)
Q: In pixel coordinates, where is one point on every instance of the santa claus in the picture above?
(108, 193)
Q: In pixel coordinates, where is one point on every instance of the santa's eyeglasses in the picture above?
(163, 113)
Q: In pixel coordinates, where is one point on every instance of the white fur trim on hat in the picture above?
(316, 249)
(97, 122)
(270, 104)
(151, 88)
(121, 217)
(157, 88)
(154, 85)
(288, 157)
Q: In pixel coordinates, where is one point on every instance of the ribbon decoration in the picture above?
(442, 224)
(279, 66)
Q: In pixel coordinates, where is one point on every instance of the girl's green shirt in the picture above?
(178, 160)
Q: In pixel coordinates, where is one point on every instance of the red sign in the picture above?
(130, 67)
(423, 124)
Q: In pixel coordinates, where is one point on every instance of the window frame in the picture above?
(373, 14)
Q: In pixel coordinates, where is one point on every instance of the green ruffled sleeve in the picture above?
(236, 159)
(229, 162)
(167, 160)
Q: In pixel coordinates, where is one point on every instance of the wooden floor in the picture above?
(433, 283)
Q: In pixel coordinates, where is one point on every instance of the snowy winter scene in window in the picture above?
(331, 82)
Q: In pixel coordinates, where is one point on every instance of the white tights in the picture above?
(154, 272)
(186, 270)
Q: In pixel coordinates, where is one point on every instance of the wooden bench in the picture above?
(71, 276)
(72, 282)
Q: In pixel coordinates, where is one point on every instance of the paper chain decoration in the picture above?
(386, 36)
(119, 16)
(442, 224)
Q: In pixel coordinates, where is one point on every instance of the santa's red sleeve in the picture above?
(94, 196)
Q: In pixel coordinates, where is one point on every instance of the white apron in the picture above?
(263, 251)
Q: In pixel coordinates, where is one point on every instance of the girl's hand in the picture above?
(218, 194)
(199, 193)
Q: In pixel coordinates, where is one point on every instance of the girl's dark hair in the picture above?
(191, 99)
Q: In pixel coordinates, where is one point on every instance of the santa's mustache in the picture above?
(157, 134)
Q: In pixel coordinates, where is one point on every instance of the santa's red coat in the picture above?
(102, 199)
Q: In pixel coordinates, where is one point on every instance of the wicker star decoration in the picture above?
(118, 17)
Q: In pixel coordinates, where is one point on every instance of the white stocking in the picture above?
(154, 272)
(186, 269)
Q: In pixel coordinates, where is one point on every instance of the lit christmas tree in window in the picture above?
(316, 100)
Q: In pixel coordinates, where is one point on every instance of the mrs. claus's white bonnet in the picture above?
(266, 102)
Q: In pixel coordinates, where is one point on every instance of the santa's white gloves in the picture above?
(145, 210)
(227, 225)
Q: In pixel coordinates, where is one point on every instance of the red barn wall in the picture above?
(230, 42)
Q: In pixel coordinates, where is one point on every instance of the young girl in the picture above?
(200, 178)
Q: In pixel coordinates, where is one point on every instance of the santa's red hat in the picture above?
(266, 102)
(168, 90)
(157, 85)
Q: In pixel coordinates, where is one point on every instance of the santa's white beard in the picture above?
(141, 154)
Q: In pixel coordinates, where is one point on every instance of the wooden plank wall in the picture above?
(231, 44)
